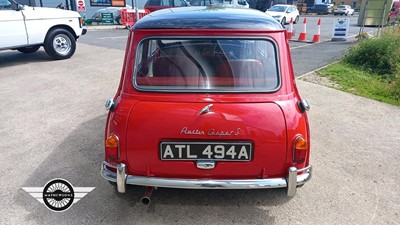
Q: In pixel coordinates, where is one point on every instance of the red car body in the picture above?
(210, 131)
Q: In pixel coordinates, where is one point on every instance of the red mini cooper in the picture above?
(207, 100)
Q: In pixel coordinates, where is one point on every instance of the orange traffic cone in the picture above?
(303, 35)
(317, 36)
(290, 30)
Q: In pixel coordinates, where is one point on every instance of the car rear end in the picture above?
(324, 9)
(341, 9)
(320, 9)
(329, 9)
(213, 107)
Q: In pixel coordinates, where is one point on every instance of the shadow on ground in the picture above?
(15, 58)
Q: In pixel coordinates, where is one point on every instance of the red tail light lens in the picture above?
(112, 151)
(300, 149)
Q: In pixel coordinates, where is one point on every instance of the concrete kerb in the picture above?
(313, 71)
(104, 27)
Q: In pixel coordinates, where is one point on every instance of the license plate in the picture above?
(218, 151)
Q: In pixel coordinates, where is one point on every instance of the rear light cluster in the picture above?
(300, 147)
(112, 148)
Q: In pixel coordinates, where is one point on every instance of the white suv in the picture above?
(343, 10)
(25, 29)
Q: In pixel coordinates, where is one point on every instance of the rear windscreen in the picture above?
(210, 64)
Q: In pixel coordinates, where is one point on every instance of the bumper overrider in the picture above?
(291, 182)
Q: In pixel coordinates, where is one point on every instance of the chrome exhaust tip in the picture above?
(146, 199)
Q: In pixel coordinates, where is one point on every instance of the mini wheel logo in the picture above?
(58, 194)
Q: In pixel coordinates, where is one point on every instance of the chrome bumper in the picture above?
(291, 181)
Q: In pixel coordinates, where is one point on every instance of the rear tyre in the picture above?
(296, 20)
(283, 21)
(29, 49)
(59, 44)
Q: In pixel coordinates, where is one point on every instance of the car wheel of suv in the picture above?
(283, 21)
(29, 49)
(59, 44)
(296, 20)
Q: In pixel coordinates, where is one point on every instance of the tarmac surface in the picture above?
(52, 126)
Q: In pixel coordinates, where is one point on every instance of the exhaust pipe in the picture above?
(146, 199)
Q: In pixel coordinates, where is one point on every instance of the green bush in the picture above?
(379, 55)
(370, 69)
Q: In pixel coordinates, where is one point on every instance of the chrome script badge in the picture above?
(58, 194)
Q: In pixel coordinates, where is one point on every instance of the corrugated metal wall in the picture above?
(373, 12)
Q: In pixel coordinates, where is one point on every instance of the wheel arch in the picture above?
(65, 27)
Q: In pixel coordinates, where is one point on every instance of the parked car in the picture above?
(235, 3)
(26, 29)
(224, 3)
(207, 100)
(204, 2)
(343, 10)
(153, 5)
(284, 13)
(114, 10)
(320, 9)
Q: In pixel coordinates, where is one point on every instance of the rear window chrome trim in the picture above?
(277, 58)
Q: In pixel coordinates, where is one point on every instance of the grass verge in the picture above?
(360, 82)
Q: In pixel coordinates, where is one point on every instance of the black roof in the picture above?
(212, 17)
